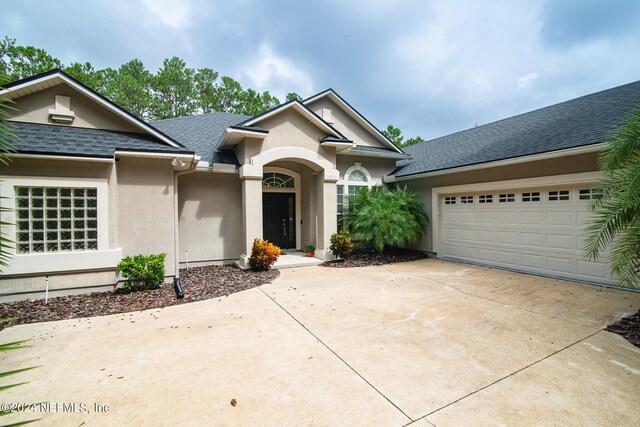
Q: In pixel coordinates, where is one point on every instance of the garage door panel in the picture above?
(484, 236)
(561, 241)
(562, 218)
(541, 236)
(559, 264)
(466, 217)
(506, 218)
(532, 218)
(510, 237)
(468, 235)
(532, 239)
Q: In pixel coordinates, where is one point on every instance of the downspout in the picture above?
(176, 230)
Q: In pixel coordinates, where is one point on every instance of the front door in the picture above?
(279, 219)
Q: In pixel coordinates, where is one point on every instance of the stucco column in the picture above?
(327, 212)
(251, 209)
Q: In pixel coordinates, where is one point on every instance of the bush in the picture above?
(309, 248)
(387, 217)
(263, 255)
(142, 271)
(341, 244)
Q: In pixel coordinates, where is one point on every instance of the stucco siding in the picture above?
(210, 217)
(549, 167)
(145, 207)
(34, 108)
(377, 168)
(344, 124)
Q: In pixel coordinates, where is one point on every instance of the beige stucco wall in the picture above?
(289, 128)
(344, 124)
(210, 217)
(145, 208)
(377, 168)
(549, 167)
(34, 108)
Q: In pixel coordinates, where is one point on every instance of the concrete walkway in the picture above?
(421, 343)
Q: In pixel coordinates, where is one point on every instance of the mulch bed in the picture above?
(628, 327)
(198, 283)
(365, 258)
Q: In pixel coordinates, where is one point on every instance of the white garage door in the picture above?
(538, 230)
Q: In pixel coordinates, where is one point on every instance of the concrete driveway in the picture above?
(421, 343)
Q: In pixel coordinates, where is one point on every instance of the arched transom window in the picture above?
(277, 180)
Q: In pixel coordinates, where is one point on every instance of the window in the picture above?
(588, 194)
(531, 197)
(466, 199)
(485, 198)
(555, 196)
(56, 219)
(507, 198)
(356, 179)
(277, 180)
(450, 200)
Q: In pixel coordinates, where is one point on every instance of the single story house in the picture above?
(90, 183)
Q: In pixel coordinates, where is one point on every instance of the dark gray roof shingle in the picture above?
(580, 122)
(35, 138)
(202, 133)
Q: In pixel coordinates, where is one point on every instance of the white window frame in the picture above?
(296, 189)
(46, 262)
(345, 183)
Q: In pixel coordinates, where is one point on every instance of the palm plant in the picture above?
(7, 145)
(387, 217)
(616, 220)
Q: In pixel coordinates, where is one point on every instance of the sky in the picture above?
(430, 67)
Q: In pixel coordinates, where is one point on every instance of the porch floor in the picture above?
(292, 258)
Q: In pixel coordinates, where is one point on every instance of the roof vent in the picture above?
(62, 113)
(326, 116)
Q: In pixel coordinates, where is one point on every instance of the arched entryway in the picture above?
(281, 207)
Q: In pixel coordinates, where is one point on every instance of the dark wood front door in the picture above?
(279, 219)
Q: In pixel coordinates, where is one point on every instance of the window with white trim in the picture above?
(277, 180)
(56, 219)
(588, 193)
(507, 198)
(558, 195)
(355, 180)
(450, 200)
(533, 196)
(485, 198)
(466, 200)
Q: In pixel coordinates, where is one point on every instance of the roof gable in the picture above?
(300, 108)
(50, 79)
(355, 115)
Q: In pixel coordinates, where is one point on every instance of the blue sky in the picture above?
(428, 67)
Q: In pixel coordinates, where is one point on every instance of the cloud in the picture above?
(527, 80)
(176, 14)
(277, 74)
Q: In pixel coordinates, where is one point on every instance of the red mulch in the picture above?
(198, 283)
(628, 327)
(365, 258)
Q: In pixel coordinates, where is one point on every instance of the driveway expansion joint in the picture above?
(337, 355)
(509, 375)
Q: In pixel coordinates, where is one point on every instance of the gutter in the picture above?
(176, 229)
(506, 162)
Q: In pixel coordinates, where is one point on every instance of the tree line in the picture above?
(175, 90)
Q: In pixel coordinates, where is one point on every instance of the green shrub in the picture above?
(309, 248)
(341, 244)
(263, 255)
(142, 271)
(387, 217)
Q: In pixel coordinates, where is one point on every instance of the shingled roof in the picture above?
(202, 133)
(579, 122)
(36, 138)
